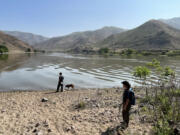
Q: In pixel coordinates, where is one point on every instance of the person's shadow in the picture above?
(118, 130)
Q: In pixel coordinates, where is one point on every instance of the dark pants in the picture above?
(125, 114)
(59, 85)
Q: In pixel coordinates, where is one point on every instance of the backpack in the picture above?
(133, 101)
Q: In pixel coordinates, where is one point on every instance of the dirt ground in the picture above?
(75, 112)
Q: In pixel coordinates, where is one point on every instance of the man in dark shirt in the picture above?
(127, 98)
(60, 82)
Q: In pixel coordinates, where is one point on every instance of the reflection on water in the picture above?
(40, 71)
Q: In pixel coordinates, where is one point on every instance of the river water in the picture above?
(40, 71)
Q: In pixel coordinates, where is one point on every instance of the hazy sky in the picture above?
(59, 17)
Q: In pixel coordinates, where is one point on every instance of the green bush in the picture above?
(176, 93)
(168, 72)
(173, 53)
(141, 72)
(28, 50)
(3, 49)
(81, 105)
(164, 101)
(155, 63)
(164, 112)
(146, 53)
(162, 128)
(147, 100)
(128, 52)
(103, 50)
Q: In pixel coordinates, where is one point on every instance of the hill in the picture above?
(13, 44)
(153, 35)
(29, 38)
(174, 22)
(78, 39)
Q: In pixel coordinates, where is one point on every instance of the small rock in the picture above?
(37, 125)
(46, 105)
(117, 91)
(141, 105)
(49, 130)
(45, 124)
(2, 111)
(35, 130)
(39, 133)
(44, 100)
(14, 102)
(67, 129)
(93, 106)
(54, 103)
(97, 105)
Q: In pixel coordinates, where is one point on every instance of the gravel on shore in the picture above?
(74, 112)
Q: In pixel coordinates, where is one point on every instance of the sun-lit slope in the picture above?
(78, 39)
(29, 38)
(153, 35)
(12, 43)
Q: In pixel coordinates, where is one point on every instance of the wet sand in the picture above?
(74, 112)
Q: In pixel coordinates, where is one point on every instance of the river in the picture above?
(40, 71)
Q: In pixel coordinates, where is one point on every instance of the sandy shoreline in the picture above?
(24, 113)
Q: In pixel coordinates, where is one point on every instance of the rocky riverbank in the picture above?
(76, 112)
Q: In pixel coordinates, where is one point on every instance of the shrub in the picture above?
(81, 105)
(155, 63)
(163, 128)
(147, 100)
(28, 50)
(103, 50)
(174, 53)
(146, 53)
(3, 49)
(176, 93)
(141, 72)
(128, 52)
(168, 72)
(165, 102)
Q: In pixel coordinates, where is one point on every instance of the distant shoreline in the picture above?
(47, 90)
(144, 53)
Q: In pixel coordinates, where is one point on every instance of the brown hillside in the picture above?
(153, 35)
(12, 43)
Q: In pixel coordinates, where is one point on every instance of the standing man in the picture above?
(60, 83)
(127, 99)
